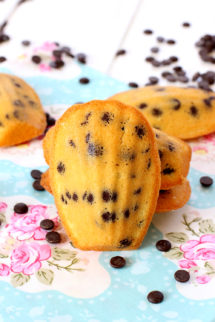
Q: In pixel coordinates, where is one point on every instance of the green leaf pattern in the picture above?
(19, 279)
(45, 276)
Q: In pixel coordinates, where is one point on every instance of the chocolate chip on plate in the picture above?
(37, 186)
(170, 41)
(148, 32)
(121, 52)
(133, 85)
(155, 297)
(182, 276)
(36, 59)
(163, 245)
(20, 208)
(58, 63)
(186, 24)
(117, 262)
(53, 237)
(154, 50)
(82, 58)
(206, 181)
(26, 43)
(160, 39)
(36, 174)
(84, 80)
(2, 59)
(47, 224)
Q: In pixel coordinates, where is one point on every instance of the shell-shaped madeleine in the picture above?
(105, 175)
(21, 115)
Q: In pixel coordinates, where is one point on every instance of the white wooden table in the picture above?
(101, 27)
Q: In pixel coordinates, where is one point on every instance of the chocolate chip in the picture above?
(84, 80)
(136, 207)
(170, 41)
(106, 196)
(193, 111)
(154, 50)
(186, 24)
(16, 114)
(26, 43)
(206, 181)
(126, 213)
(168, 171)
(182, 276)
(36, 174)
(57, 53)
(107, 117)
(75, 197)
(140, 131)
(148, 32)
(36, 59)
(177, 104)
(171, 147)
(133, 85)
(149, 59)
(171, 78)
(61, 168)
(95, 149)
(82, 58)
(156, 63)
(125, 243)
(71, 143)
(173, 59)
(155, 297)
(208, 100)
(156, 111)
(153, 80)
(58, 63)
(121, 52)
(183, 79)
(149, 163)
(196, 76)
(20, 208)
(166, 62)
(53, 237)
(68, 195)
(4, 38)
(37, 186)
(107, 216)
(90, 198)
(47, 224)
(142, 106)
(117, 262)
(2, 59)
(160, 154)
(163, 245)
(114, 196)
(18, 103)
(84, 195)
(160, 39)
(137, 192)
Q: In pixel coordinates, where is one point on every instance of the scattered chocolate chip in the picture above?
(106, 196)
(170, 41)
(174, 59)
(168, 171)
(149, 164)
(117, 262)
(148, 32)
(156, 111)
(126, 213)
(121, 52)
(36, 174)
(160, 154)
(166, 62)
(125, 242)
(206, 181)
(171, 78)
(154, 50)
(36, 59)
(58, 63)
(156, 63)
(142, 106)
(182, 276)
(26, 43)
(53, 237)
(114, 196)
(75, 197)
(177, 104)
(171, 147)
(183, 79)
(196, 76)
(149, 59)
(186, 24)
(84, 80)
(163, 245)
(57, 53)
(155, 297)
(107, 216)
(47, 224)
(20, 208)
(61, 167)
(137, 192)
(68, 195)
(4, 38)
(160, 39)
(82, 58)
(107, 117)
(2, 59)
(90, 198)
(153, 80)
(133, 85)
(193, 111)
(208, 100)
(140, 131)
(37, 186)
(95, 149)
(87, 138)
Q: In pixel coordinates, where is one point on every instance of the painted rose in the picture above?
(203, 279)
(183, 263)
(202, 249)
(23, 227)
(3, 206)
(4, 270)
(27, 258)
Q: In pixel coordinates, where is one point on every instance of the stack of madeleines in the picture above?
(110, 171)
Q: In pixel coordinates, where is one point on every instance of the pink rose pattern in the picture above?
(26, 258)
(198, 250)
(28, 226)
